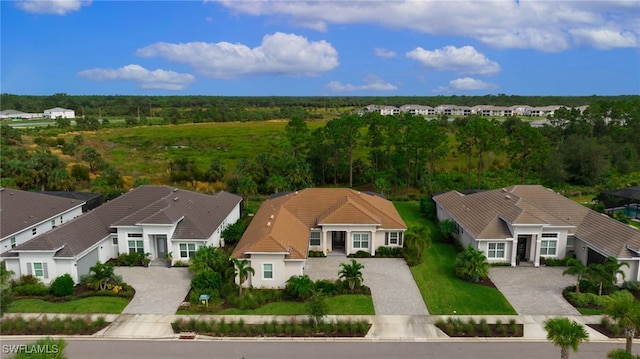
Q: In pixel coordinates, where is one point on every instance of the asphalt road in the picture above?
(141, 349)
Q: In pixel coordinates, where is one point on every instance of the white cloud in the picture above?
(278, 54)
(144, 79)
(464, 60)
(466, 84)
(605, 39)
(384, 53)
(55, 7)
(541, 25)
(371, 83)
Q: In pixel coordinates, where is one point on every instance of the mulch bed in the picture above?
(605, 331)
(503, 331)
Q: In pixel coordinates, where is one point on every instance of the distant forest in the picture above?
(230, 108)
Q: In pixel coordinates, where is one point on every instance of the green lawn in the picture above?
(85, 305)
(441, 290)
(348, 304)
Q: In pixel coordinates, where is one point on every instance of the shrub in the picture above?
(389, 252)
(62, 286)
(204, 281)
(299, 286)
(31, 290)
(631, 285)
(28, 279)
(428, 208)
(360, 254)
(328, 287)
(317, 254)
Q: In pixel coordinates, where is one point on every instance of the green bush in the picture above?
(206, 281)
(27, 279)
(299, 287)
(62, 286)
(317, 254)
(428, 208)
(631, 285)
(31, 290)
(329, 287)
(390, 252)
(360, 254)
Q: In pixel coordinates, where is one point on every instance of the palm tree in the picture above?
(566, 334)
(577, 268)
(277, 183)
(472, 265)
(299, 286)
(103, 273)
(242, 270)
(625, 310)
(352, 273)
(247, 187)
(417, 240)
(613, 267)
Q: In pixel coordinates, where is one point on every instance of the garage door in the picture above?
(87, 262)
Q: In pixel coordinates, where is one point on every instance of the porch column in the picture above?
(323, 241)
(372, 243)
(536, 249)
(347, 242)
(514, 250)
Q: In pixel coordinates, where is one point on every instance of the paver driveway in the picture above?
(535, 291)
(393, 290)
(159, 290)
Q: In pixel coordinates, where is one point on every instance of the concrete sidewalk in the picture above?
(384, 327)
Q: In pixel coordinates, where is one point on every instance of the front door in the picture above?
(337, 240)
(521, 251)
(161, 246)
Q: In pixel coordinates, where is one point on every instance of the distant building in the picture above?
(18, 115)
(59, 112)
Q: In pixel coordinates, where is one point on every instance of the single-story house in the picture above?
(59, 112)
(531, 222)
(25, 215)
(329, 220)
(148, 219)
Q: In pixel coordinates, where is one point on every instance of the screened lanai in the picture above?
(625, 199)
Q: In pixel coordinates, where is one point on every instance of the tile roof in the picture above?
(283, 223)
(486, 216)
(197, 216)
(20, 210)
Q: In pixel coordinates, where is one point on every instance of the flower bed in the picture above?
(456, 327)
(55, 326)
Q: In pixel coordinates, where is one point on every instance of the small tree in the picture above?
(625, 310)
(472, 265)
(577, 268)
(566, 334)
(6, 295)
(209, 258)
(242, 271)
(416, 241)
(446, 228)
(233, 233)
(317, 308)
(352, 273)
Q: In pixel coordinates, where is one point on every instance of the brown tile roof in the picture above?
(486, 214)
(20, 210)
(199, 215)
(283, 223)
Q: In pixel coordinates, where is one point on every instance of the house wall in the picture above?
(293, 267)
(13, 264)
(42, 227)
(174, 248)
(64, 266)
(483, 245)
(279, 273)
(232, 218)
(40, 257)
(630, 273)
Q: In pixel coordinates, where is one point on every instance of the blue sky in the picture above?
(332, 48)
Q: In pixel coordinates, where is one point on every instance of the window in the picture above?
(34, 231)
(549, 235)
(53, 223)
(134, 235)
(361, 240)
(13, 242)
(38, 269)
(187, 250)
(136, 246)
(570, 241)
(548, 247)
(496, 250)
(314, 238)
(393, 238)
(114, 240)
(267, 271)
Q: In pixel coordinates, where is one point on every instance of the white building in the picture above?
(59, 112)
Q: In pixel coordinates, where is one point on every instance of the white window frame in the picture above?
(545, 247)
(494, 249)
(136, 246)
(319, 239)
(360, 238)
(265, 271)
(188, 251)
(114, 240)
(12, 242)
(134, 235)
(394, 237)
(44, 270)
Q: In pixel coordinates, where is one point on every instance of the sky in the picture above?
(320, 48)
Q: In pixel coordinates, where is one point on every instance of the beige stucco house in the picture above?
(330, 220)
(531, 222)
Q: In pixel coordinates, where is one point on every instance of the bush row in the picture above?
(456, 327)
(57, 326)
(62, 289)
(291, 328)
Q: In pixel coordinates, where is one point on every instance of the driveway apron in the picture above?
(159, 290)
(393, 290)
(534, 291)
